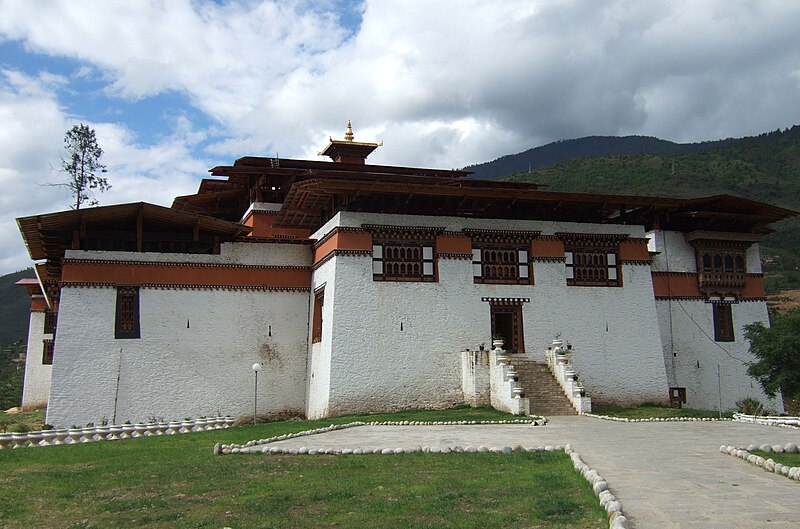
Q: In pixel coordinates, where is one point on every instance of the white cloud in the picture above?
(441, 83)
(32, 135)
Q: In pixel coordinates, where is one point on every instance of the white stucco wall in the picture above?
(692, 355)
(36, 384)
(193, 359)
(319, 362)
(614, 331)
(376, 366)
(476, 378)
(687, 333)
(677, 255)
(674, 253)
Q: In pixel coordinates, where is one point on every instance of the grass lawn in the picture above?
(13, 422)
(790, 460)
(653, 411)
(175, 481)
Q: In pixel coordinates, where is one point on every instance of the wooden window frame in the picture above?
(509, 264)
(391, 262)
(316, 325)
(593, 266)
(722, 314)
(126, 317)
(50, 322)
(48, 346)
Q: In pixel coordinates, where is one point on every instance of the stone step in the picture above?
(543, 391)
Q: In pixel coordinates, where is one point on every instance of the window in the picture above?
(592, 259)
(721, 271)
(50, 322)
(723, 322)
(593, 267)
(403, 261)
(721, 262)
(47, 352)
(126, 323)
(501, 264)
(316, 326)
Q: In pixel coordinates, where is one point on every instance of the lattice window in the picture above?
(127, 314)
(722, 270)
(593, 267)
(723, 322)
(47, 352)
(501, 264)
(50, 322)
(403, 261)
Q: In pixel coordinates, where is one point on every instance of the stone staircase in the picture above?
(545, 394)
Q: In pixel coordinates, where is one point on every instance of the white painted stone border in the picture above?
(780, 422)
(767, 464)
(658, 419)
(110, 432)
(612, 506)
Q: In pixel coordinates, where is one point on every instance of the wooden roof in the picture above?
(313, 191)
(49, 235)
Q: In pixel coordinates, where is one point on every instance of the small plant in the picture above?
(127, 422)
(104, 421)
(4, 424)
(750, 406)
(90, 425)
(74, 427)
(46, 426)
(23, 427)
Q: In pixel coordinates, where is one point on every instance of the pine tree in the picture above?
(81, 162)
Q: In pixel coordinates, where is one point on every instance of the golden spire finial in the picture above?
(348, 135)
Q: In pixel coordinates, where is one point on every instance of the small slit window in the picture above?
(316, 329)
(723, 322)
(127, 313)
(47, 352)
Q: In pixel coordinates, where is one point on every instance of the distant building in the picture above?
(358, 286)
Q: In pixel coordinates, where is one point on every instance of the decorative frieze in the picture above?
(403, 232)
(505, 301)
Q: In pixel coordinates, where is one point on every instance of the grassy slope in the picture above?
(765, 168)
(14, 308)
(175, 481)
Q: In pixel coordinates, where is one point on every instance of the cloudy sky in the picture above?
(174, 87)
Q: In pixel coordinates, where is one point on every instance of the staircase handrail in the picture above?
(560, 364)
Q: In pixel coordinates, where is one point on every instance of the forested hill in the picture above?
(589, 147)
(764, 168)
(15, 306)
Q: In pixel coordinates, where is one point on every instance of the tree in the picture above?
(778, 351)
(82, 163)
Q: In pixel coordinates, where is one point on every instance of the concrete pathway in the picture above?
(668, 475)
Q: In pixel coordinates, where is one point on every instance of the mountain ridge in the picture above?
(586, 147)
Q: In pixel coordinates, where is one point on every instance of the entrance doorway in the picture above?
(507, 323)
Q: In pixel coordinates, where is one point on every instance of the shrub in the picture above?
(750, 406)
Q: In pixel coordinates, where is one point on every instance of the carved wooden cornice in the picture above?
(603, 240)
(501, 236)
(419, 233)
